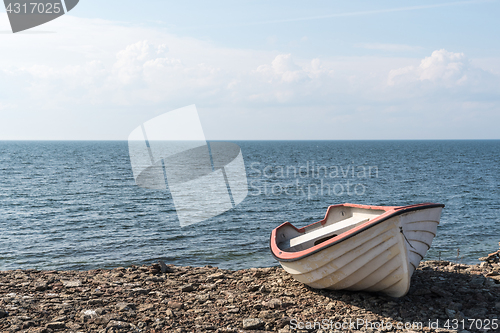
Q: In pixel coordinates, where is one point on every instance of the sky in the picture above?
(256, 70)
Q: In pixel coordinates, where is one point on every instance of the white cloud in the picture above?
(285, 81)
(282, 69)
(143, 73)
(4, 106)
(130, 62)
(94, 79)
(443, 67)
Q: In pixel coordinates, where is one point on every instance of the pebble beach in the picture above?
(444, 297)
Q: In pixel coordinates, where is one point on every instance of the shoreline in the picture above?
(199, 299)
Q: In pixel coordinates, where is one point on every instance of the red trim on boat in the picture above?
(390, 211)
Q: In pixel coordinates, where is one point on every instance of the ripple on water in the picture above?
(74, 205)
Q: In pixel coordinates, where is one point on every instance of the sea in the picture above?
(74, 205)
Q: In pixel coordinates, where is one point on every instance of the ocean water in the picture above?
(75, 205)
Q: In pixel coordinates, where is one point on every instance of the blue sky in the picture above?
(257, 70)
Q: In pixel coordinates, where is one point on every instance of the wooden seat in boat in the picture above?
(323, 233)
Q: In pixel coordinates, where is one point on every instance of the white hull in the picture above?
(381, 258)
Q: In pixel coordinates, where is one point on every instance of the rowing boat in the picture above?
(359, 247)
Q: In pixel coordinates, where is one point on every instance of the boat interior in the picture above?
(337, 221)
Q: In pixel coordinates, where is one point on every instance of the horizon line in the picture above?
(125, 140)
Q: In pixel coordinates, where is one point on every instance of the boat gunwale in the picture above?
(390, 212)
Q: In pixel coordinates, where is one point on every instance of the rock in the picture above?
(14, 328)
(28, 324)
(257, 274)
(139, 291)
(89, 313)
(440, 291)
(104, 320)
(202, 298)
(284, 330)
(122, 306)
(187, 288)
(460, 316)
(216, 276)
(155, 269)
(330, 306)
(164, 268)
(495, 277)
(40, 286)
(59, 318)
(275, 303)
(253, 288)
(491, 283)
(104, 301)
(476, 312)
(450, 313)
(72, 284)
(266, 314)
(252, 323)
(117, 324)
(283, 322)
(55, 325)
(3, 313)
(175, 305)
(94, 302)
(455, 306)
(145, 307)
(477, 281)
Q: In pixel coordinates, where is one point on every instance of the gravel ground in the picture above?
(444, 297)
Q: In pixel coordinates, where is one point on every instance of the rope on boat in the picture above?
(401, 229)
